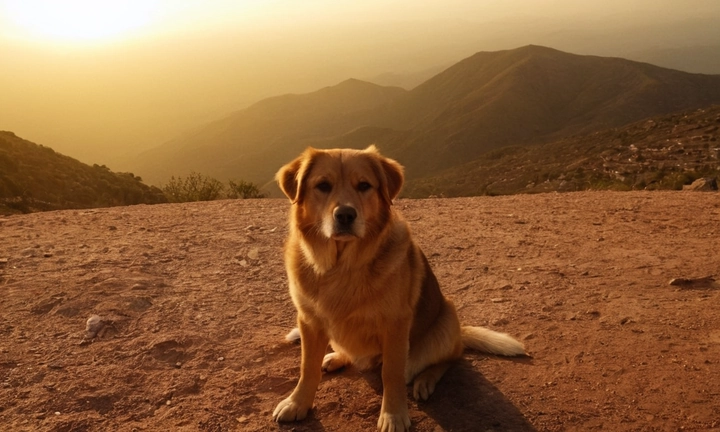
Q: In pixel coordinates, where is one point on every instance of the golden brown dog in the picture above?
(360, 283)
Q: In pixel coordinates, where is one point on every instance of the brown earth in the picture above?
(194, 306)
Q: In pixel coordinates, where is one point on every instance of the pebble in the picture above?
(93, 325)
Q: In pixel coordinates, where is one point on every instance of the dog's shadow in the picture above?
(465, 400)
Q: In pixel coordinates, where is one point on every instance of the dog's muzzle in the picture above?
(344, 216)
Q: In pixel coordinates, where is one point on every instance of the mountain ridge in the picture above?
(34, 177)
(490, 100)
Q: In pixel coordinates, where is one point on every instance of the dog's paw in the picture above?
(423, 388)
(334, 361)
(399, 422)
(289, 410)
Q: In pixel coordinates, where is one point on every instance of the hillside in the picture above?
(252, 143)
(488, 101)
(35, 177)
(534, 94)
(663, 152)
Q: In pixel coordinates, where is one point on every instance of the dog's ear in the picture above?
(393, 173)
(290, 177)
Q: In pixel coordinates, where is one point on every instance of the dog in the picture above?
(362, 285)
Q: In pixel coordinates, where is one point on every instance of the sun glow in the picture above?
(78, 20)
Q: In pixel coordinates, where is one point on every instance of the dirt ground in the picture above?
(193, 306)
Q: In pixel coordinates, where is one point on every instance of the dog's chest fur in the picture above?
(350, 300)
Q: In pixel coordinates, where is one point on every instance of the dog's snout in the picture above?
(344, 215)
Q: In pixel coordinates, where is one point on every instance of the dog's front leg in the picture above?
(314, 342)
(396, 345)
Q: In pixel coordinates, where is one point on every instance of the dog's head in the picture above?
(341, 194)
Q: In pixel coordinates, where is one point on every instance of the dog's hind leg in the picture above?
(430, 356)
(424, 383)
(334, 361)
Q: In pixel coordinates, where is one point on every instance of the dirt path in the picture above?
(194, 305)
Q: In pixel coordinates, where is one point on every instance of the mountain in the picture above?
(490, 100)
(665, 152)
(529, 95)
(252, 143)
(35, 177)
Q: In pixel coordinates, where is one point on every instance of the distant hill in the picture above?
(663, 152)
(533, 94)
(488, 101)
(253, 143)
(35, 177)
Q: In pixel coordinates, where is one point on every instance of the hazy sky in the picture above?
(96, 79)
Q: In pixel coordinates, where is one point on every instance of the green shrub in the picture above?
(199, 187)
(243, 190)
(194, 187)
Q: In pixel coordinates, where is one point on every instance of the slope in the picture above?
(665, 152)
(488, 101)
(34, 177)
(251, 143)
(530, 95)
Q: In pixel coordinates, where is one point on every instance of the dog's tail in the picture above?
(489, 341)
(293, 336)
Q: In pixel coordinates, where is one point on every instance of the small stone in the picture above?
(242, 419)
(707, 184)
(253, 254)
(167, 402)
(57, 412)
(221, 358)
(47, 255)
(498, 300)
(93, 325)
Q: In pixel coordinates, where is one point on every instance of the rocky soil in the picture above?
(187, 307)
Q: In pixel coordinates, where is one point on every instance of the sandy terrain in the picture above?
(193, 305)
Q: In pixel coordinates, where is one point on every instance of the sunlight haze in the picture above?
(100, 81)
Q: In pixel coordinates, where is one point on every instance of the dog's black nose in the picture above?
(344, 215)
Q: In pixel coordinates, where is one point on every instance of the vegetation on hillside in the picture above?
(34, 177)
(199, 187)
(665, 152)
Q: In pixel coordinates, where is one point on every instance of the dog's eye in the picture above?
(324, 187)
(364, 186)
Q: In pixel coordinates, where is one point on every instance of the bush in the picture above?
(198, 187)
(194, 187)
(243, 190)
